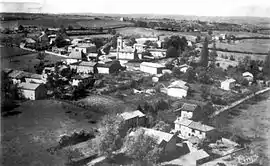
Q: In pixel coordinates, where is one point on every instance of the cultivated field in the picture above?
(261, 46)
(241, 55)
(58, 21)
(147, 32)
(36, 126)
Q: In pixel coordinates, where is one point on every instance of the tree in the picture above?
(41, 56)
(21, 28)
(162, 126)
(172, 52)
(205, 92)
(213, 53)
(142, 147)
(190, 75)
(204, 54)
(70, 27)
(110, 132)
(131, 41)
(39, 67)
(266, 66)
(60, 41)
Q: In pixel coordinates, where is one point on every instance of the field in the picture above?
(37, 126)
(58, 21)
(147, 32)
(261, 46)
(239, 34)
(250, 120)
(10, 59)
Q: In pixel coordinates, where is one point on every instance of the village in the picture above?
(176, 84)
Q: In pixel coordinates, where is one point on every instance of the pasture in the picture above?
(37, 126)
(148, 32)
(256, 46)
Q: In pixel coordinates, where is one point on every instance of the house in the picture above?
(183, 68)
(193, 158)
(152, 68)
(228, 84)
(139, 47)
(108, 67)
(52, 38)
(177, 89)
(134, 119)
(188, 110)
(143, 40)
(86, 48)
(189, 128)
(32, 91)
(128, 54)
(82, 80)
(164, 140)
(75, 56)
(84, 67)
(158, 53)
(34, 78)
(248, 76)
(16, 76)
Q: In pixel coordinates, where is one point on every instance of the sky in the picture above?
(259, 8)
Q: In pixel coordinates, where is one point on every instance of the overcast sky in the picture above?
(183, 7)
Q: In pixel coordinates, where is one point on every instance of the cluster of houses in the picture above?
(178, 141)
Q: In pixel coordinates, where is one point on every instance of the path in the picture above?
(239, 102)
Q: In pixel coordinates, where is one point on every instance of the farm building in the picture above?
(188, 110)
(128, 54)
(183, 68)
(177, 89)
(82, 80)
(158, 53)
(134, 119)
(152, 68)
(248, 76)
(84, 67)
(109, 67)
(139, 47)
(75, 56)
(17, 76)
(189, 128)
(86, 48)
(32, 91)
(228, 84)
(166, 141)
(34, 78)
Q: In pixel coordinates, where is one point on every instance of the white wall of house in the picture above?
(227, 85)
(158, 54)
(187, 114)
(126, 55)
(151, 70)
(103, 70)
(16, 81)
(85, 69)
(177, 92)
(188, 132)
(70, 61)
(28, 94)
(184, 69)
(34, 80)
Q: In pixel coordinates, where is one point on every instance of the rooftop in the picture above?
(178, 84)
(133, 114)
(15, 74)
(84, 76)
(247, 74)
(75, 55)
(159, 135)
(28, 86)
(89, 64)
(193, 125)
(230, 80)
(189, 107)
(157, 50)
(155, 65)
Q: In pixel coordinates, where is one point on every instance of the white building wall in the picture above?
(186, 114)
(28, 94)
(103, 70)
(148, 69)
(177, 92)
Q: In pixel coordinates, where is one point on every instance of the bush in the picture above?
(232, 58)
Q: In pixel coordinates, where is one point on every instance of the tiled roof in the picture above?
(199, 126)
(15, 74)
(193, 125)
(247, 74)
(75, 55)
(155, 65)
(230, 80)
(178, 84)
(28, 86)
(89, 64)
(7, 70)
(133, 114)
(189, 107)
(159, 135)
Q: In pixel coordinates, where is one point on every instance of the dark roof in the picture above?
(189, 107)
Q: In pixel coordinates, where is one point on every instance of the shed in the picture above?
(32, 91)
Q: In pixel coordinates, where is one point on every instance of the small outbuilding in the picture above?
(152, 68)
(178, 89)
(32, 91)
(228, 84)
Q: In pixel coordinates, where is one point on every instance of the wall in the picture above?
(148, 69)
(186, 114)
(103, 70)
(28, 94)
(177, 92)
(85, 69)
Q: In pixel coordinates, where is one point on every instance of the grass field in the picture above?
(147, 32)
(239, 34)
(249, 45)
(23, 62)
(241, 55)
(58, 21)
(250, 120)
(38, 126)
